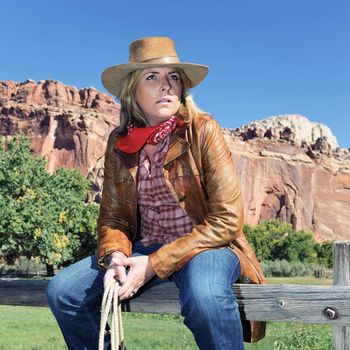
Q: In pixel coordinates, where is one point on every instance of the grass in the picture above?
(300, 280)
(28, 328)
(34, 328)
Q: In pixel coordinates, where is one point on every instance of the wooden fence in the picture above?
(278, 303)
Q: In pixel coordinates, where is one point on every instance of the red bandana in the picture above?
(135, 139)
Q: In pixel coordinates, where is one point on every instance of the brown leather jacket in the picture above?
(200, 173)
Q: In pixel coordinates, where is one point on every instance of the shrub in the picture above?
(43, 215)
(324, 253)
(276, 240)
(284, 268)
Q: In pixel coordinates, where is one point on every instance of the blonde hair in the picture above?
(131, 112)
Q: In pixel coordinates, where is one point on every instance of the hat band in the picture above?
(163, 59)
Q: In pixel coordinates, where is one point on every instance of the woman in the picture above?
(171, 208)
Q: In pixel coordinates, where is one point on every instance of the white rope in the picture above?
(111, 305)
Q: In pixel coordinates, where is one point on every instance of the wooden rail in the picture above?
(277, 303)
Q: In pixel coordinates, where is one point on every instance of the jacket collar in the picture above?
(177, 146)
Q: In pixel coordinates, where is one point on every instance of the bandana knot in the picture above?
(136, 137)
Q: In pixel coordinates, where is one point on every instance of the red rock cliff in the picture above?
(289, 168)
(69, 127)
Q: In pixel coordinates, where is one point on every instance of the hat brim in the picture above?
(113, 77)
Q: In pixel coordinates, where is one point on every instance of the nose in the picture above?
(165, 83)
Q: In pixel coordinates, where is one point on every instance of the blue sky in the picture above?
(266, 57)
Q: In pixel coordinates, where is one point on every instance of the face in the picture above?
(158, 93)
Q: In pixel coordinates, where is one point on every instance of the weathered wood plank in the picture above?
(23, 292)
(293, 303)
(341, 273)
(161, 299)
(280, 303)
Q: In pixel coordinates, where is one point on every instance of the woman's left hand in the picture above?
(141, 271)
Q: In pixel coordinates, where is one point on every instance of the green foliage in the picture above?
(305, 337)
(325, 253)
(276, 240)
(43, 215)
(284, 268)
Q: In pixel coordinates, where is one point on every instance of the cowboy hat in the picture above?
(150, 52)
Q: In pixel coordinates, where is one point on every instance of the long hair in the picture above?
(131, 112)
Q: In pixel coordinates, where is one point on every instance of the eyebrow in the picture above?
(172, 72)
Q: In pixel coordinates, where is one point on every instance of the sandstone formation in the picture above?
(69, 127)
(293, 170)
(289, 168)
(294, 128)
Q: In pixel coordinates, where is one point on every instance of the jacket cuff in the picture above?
(161, 270)
(111, 240)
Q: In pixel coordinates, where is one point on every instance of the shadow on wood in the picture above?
(281, 303)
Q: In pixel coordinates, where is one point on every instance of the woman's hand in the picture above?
(115, 269)
(141, 271)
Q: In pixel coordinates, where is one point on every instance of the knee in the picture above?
(202, 301)
(53, 292)
(59, 293)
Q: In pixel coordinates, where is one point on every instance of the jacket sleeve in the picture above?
(224, 220)
(112, 227)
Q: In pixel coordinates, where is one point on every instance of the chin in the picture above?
(166, 113)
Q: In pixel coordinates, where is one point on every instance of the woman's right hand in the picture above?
(115, 270)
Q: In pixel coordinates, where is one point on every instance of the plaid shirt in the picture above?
(162, 218)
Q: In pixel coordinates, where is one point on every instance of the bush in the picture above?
(284, 268)
(276, 240)
(325, 253)
(23, 267)
(43, 215)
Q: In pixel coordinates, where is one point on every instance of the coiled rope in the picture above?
(111, 305)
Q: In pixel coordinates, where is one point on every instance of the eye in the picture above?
(175, 77)
(151, 77)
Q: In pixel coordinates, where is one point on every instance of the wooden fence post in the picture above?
(341, 277)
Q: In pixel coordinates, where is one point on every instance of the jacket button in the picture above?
(182, 198)
(246, 279)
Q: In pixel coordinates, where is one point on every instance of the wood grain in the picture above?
(341, 273)
(281, 303)
(278, 303)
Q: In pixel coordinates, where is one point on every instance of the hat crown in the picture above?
(149, 52)
(152, 48)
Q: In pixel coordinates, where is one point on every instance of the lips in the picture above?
(164, 100)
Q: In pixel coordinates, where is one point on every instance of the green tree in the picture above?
(325, 253)
(276, 240)
(43, 214)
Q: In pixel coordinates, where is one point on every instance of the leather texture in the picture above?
(200, 173)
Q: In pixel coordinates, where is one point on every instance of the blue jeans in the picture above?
(207, 301)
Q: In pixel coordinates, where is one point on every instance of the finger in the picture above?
(121, 274)
(118, 255)
(116, 260)
(114, 272)
(127, 295)
(126, 262)
(130, 287)
(108, 278)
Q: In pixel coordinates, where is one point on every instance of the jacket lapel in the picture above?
(131, 161)
(177, 147)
